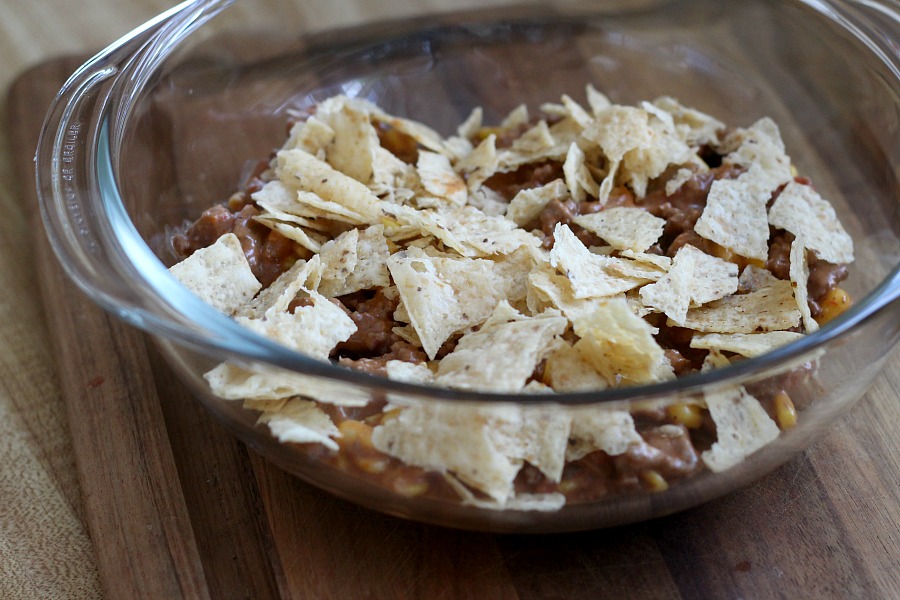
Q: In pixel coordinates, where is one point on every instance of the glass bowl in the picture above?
(167, 121)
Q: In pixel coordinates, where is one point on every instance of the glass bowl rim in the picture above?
(213, 331)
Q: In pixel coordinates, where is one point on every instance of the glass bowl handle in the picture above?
(68, 172)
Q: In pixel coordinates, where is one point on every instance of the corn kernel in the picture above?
(390, 415)
(730, 256)
(567, 486)
(372, 465)
(689, 415)
(724, 253)
(654, 481)
(406, 487)
(835, 302)
(755, 262)
(484, 132)
(355, 431)
(785, 413)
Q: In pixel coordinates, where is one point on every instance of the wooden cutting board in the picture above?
(176, 507)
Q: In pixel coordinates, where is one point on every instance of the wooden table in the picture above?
(826, 525)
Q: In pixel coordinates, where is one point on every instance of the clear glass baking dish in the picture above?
(166, 121)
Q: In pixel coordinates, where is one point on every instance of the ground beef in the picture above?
(524, 178)
(823, 277)
(779, 260)
(564, 211)
(399, 350)
(373, 315)
(668, 451)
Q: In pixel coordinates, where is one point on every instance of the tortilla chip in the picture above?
(282, 204)
(535, 143)
(469, 128)
(638, 269)
(620, 345)
(753, 278)
(662, 263)
(647, 162)
(714, 360)
(761, 150)
(503, 354)
(442, 295)
(310, 135)
(488, 201)
(423, 135)
(528, 203)
(619, 129)
(714, 278)
(352, 150)
(408, 333)
(231, 382)
(219, 274)
(439, 178)
(611, 431)
(567, 371)
(521, 502)
(681, 177)
(303, 275)
(445, 437)
(479, 164)
(587, 272)
(355, 261)
(281, 200)
(742, 428)
(301, 422)
(735, 218)
(310, 174)
(400, 370)
(694, 127)
(596, 100)
(515, 118)
(771, 308)
(511, 274)
(745, 344)
(624, 228)
(487, 235)
(802, 211)
(309, 240)
(392, 179)
(312, 329)
(339, 259)
(549, 289)
(467, 230)
(578, 178)
(575, 112)
(536, 435)
(671, 295)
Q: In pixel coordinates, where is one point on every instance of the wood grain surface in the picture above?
(176, 507)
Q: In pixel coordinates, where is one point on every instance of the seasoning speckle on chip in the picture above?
(566, 249)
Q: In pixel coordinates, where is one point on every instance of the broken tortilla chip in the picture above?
(742, 427)
(802, 211)
(219, 274)
(624, 228)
